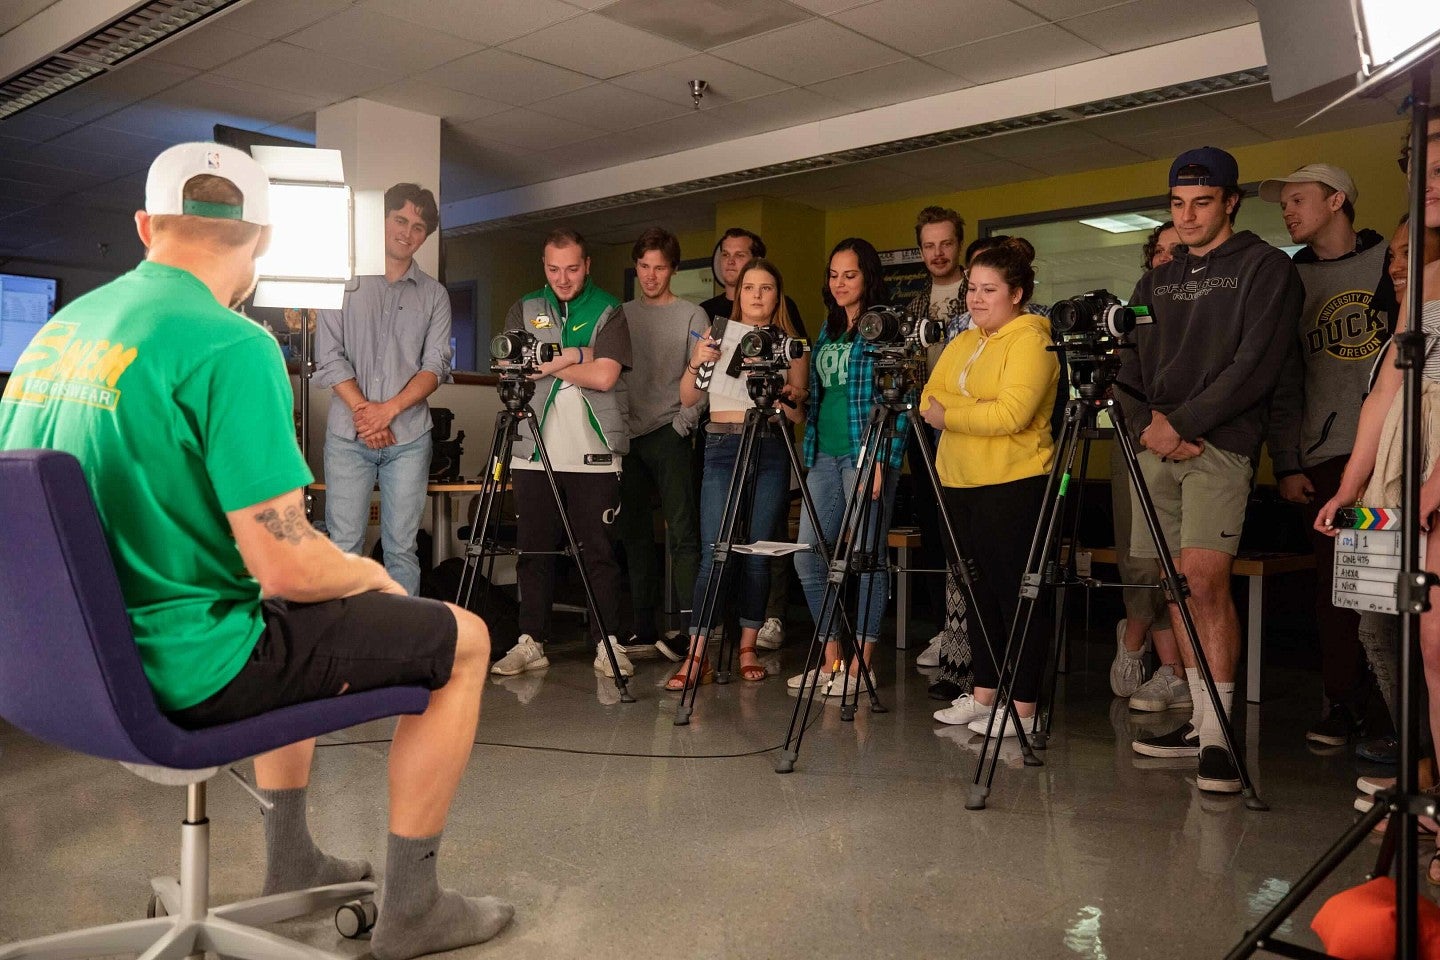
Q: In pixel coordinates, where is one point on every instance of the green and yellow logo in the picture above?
(57, 366)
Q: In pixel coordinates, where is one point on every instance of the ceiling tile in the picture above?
(32, 193)
(19, 169)
(272, 19)
(827, 7)
(205, 46)
(1015, 54)
(1168, 144)
(940, 163)
(440, 102)
(9, 207)
(1049, 140)
(702, 24)
(808, 52)
(1177, 115)
(991, 173)
(598, 47)
(913, 25)
(527, 130)
(1091, 158)
(115, 89)
(191, 110)
(126, 194)
(33, 125)
(96, 139)
(490, 22)
(364, 36)
(727, 81)
(506, 77)
(892, 83)
(284, 66)
(1144, 23)
(16, 12)
(104, 165)
(609, 107)
(689, 130)
(787, 108)
(1062, 9)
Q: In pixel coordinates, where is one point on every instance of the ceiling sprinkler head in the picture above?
(697, 90)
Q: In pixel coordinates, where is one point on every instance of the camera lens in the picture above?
(929, 332)
(1064, 316)
(1119, 320)
(879, 325)
(754, 344)
(505, 346)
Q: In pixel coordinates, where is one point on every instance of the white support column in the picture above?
(382, 146)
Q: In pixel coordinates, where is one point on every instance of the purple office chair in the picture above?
(70, 674)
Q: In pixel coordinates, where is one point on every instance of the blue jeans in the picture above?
(351, 471)
(770, 498)
(830, 482)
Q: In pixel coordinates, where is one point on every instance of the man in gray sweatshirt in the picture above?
(1196, 390)
(663, 329)
(1317, 402)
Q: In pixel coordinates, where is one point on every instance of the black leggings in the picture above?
(994, 525)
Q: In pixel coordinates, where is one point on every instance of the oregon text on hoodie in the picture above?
(1316, 409)
(1222, 328)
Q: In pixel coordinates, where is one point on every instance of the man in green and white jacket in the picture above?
(579, 403)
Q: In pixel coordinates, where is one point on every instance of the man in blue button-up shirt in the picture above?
(383, 353)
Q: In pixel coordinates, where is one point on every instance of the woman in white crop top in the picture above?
(714, 372)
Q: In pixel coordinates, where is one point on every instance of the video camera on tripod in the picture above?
(1090, 330)
(766, 354)
(518, 353)
(900, 343)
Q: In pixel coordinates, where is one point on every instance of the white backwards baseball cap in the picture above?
(1327, 173)
(175, 167)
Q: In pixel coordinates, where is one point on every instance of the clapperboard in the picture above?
(1367, 559)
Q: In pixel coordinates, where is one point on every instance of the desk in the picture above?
(442, 514)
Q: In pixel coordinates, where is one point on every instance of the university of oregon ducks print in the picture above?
(1346, 328)
(56, 366)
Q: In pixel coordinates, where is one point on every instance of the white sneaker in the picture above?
(964, 709)
(772, 634)
(1163, 691)
(842, 684)
(1127, 670)
(930, 656)
(525, 655)
(1011, 729)
(807, 679)
(602, 660)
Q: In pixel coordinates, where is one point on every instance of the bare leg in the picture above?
(1213, 609)
(287, 768)
(1166, 649)
(430, 751)
(1135, 631)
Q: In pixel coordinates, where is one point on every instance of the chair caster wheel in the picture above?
(355, 919)
(154, 907)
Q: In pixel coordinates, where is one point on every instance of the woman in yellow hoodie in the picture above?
(991, 396)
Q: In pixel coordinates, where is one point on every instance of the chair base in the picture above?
(193, 926)
(226, 930)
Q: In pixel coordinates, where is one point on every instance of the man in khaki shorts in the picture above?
(1197, 388)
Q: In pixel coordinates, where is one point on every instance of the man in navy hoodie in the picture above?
(1197, 392)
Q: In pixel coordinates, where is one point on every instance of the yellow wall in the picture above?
(1367, 153)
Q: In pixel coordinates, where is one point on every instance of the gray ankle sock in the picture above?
(292, 861)
(417, 917)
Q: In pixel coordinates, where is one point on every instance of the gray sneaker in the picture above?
(1163, 691)
(1127, 670)
(525, 655)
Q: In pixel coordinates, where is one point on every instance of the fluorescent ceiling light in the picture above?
(1122, 223)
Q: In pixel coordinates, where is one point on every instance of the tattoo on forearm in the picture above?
(292, 527)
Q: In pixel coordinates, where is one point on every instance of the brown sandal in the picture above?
(682, 678)
(753, 672)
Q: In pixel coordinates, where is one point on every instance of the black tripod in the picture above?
(763, 381)
(516, 392)
(1093, 373)
(859, 550)
(1404, 803)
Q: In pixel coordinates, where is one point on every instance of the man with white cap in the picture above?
(1317, 403)
(180, 412)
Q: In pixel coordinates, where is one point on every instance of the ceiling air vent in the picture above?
(107, 47)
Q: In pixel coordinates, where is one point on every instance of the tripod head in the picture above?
(764, 379)
(1093, 363)
(516, 388)
(898, 373)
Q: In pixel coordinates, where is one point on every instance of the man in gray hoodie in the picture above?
(1197, 391)
(1317, 402)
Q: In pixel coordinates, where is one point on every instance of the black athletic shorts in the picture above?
(310, 651)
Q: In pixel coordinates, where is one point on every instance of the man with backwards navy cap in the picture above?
(179, 410)
(1197, 391)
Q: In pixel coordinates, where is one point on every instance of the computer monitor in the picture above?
(25, 304)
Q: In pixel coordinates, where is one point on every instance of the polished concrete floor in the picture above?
(620, 835)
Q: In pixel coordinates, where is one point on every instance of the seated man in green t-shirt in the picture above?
(180, 412)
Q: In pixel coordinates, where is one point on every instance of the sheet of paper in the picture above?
(770, 548)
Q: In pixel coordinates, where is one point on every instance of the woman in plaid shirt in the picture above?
(842, 392)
